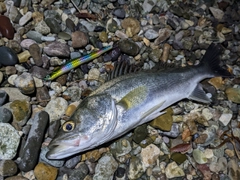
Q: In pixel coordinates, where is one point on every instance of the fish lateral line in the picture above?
(73, 63)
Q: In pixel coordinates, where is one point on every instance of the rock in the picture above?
(42, 28)
(174, 171)
(75, 93)
(21, 111)
(119, 12)
(92, 156)
(218, 166)
(57, 87)
(3, 97)
(217, 13)
(14, 94)
(1, 77)
(64, 36)
(9, 140)
(53, 25)
(34, 35)
(42, 96)
(5, 115)
(10, 70)
(225, 118)
(120, 148)
(55, 163)
(34, 141)
(57, 49)
(155, 55)
(164, 34)
(151, 34)
(79, 173)
(103, 36)
(149, 155)
(6, 27)
(233, 169)
(53, 128)
(105, 162)
(39, 72)
(129, 47)
(179, 158)
(79, 39)
(148, 5)
(163, 122)
(131, 25)
(8, 56)
(25, 18)
(140, 133)
(56, 108)
(16, 178)
(26, 43)
(36, 54)
(8, 168)
(24, 56)
(72, 162)
(233, 94)
(199, 156)
(173, 133)
(25, 83)
(14, 45)
(135, 168)
(93, 74)
(43, 171)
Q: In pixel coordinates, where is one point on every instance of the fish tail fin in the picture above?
(211, 61)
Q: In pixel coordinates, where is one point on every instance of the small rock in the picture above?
(225, 118)
(233, 94)
(105, 162)
(8, 168)
(34, 35)
(74, 93)
(10, 70)
(79, 173)
(8, 56)
(179, 158)
(56, 108)
(131, 25)
(64, 36)
(140, 133)
(164, 34)
(79, 39)
(103, 36)
(119, 12)
(24, 56)
(53, 128)
(53, 25)
(174, 171)
(72, 162)
(25, 18)
(57, 49)
(36, 53)
(9, 140)
(48, 38)
(149, 155)
(34, 141)
(120, 148)
(155, 55)
(25, 83)
(217, 13)
(15, 94)
(26, 43)
(3, 97)
(14, 45)
(151, 34)
(199, 156)
(16, 178)
(1, 77)
(42, 96)
(135, 168)
(5, 115)
(71, 108)
(93, 74)
(43, 171)
(233, 169)
(129, 47)
(39, 72)
(57, 87)
(6, 27)
(42, 28)
(164, 122)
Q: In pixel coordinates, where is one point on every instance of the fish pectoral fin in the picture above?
(134, 98)
(199, 95)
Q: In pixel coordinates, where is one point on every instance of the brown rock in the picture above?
(35, 52)
(79, 39)
(43, 171)
(6, 27)
(131, 25)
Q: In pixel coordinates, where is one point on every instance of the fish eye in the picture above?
(68, 126)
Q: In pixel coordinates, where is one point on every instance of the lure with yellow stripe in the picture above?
(75, 63)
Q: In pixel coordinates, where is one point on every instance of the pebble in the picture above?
(9, 140)
(103, 36)
(26, 43)
(31, 149)
(8, 56)
(15, 94)
(34, 35)
(155, 55)
(3, 97)
(25, 83)
(135, 170)
(14, 45)
(225, 118)
(10, 70)
(93, 74)
(164, 34)
(163, 122)
(39, 72)
(140, 133)
(79, 39)
(53, 25)
(48, 38)
(64, 36)
(5, 115)
(43, 171)
(217, 13)
(233, 94)
(6, 27)
(36, 52)
(42, 28)
(79, 173)
(120, 148)
(72, 162)
(71, 108)
(53, 128)
(75, 93)
(16, 178)
(149, 155)
(131, 25)
(1, 77)
(8, 168)
(151, 34)
(57, 49)
(129, 47)
(24, 56)
(119, 12)
(199, 156)
(174, 171)
(57, 87)
(56, 108)
(25, 18)
(105, 162)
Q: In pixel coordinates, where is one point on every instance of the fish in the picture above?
(73, 63)
(127, 101)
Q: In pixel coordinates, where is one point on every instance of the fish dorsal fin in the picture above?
(134, 98)
(199, 95)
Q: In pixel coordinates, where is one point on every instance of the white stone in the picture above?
(207, 114)
(12, 78)
(225, 118)
(173, 170)
(217, 13)
(25, 18)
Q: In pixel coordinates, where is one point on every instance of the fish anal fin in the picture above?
(199, 95)
(134, 98)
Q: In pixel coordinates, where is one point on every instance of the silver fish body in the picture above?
(127, 101)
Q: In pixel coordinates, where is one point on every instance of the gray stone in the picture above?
(8, 168)
(5, 115)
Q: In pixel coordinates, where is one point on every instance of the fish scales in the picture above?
(127, 101)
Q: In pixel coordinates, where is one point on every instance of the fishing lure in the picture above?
(75, 63)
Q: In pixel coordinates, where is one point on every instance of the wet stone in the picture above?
(39, 72)
(140, 133)
(149, 155)
(64, 36)
(164, 34)
(9, 141)
(163, 122)
(103, 36)
(21, 111)
(6, 27)
(135, 168)
(129, 47)
(53, 25)
(79, 173)
(8, 56)
(72, 162)
(105, 162)
(120, 148)
(3, 97)
(34, 141)
(5, 115)
(43, 171)
(79, 39)
(233, 94)
(36, 53)
(151, 34)
(8, 168)
(25, 83)
(199, 156)
(34, 35)
(173, 170)
(24, 56)
(57, 49)
(179, 158)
